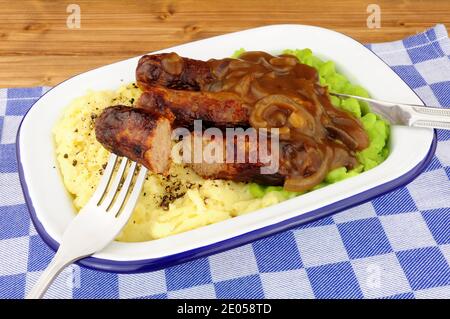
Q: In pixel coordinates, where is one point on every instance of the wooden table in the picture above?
(37, 47)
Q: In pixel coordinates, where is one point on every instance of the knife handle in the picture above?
(430, 117)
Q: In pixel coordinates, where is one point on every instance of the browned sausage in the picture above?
(172, 71)
(221, 109)
(138, 134)
(303, 160)
(247, 168)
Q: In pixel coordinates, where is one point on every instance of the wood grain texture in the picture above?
(37, 48)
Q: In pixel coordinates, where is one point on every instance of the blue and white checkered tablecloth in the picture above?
(396, 246)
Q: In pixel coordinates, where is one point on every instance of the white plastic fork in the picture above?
(97, 223)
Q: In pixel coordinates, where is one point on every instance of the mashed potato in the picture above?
(167, 205)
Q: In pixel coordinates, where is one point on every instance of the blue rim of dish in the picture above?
(146, 265)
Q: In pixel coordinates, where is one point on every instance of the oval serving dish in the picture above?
(51, 207)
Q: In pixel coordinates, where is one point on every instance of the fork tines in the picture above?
(119, 186)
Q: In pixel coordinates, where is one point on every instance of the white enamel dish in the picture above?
(51, 208)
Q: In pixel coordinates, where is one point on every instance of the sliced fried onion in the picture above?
(301, 184)
(280, 111)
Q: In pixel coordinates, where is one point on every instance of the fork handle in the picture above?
(57, 264)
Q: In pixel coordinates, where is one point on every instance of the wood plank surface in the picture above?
(37, 47)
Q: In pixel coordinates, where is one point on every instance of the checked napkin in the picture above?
(396, 246)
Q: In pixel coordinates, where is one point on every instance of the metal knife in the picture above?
(407, 114)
